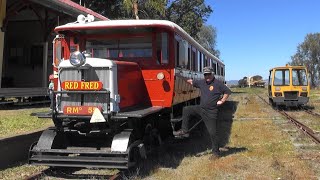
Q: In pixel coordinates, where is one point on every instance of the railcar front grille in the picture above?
(292, 95)
(101, 74)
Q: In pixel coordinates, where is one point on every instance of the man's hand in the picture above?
(220, 102)
(190, 81)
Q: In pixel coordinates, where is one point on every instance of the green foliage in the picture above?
(13, 122)
(136, 7)
(191, 15)
(207, 38)
(112, 9)
(308, 54)
(115, 9)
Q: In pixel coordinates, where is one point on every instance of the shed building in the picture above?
(26, 37)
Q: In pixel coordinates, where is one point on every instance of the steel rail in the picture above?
(43, 175)
(305, 129)
(311, 112)
(37, 175)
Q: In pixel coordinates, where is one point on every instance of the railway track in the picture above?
(52, 173)
(311, 112)
(305, 129)
(302, 127)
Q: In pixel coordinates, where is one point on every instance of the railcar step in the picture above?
(82, 161)
(42, 114)
(6, 102)
(79, 151)
(86, 165)
(79, 159)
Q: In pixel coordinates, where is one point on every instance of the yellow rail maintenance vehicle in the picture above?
(288, 86)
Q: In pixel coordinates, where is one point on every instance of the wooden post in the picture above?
(2, 16)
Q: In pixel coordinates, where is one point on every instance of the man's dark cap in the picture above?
(207, 70)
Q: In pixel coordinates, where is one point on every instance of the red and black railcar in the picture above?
(117, 85)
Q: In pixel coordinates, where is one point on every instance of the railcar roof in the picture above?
(287, 67)
(135, 24)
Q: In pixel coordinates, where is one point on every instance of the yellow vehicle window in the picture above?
(281, 77)
(299, 77)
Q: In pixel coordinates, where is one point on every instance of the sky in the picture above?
(255, 35)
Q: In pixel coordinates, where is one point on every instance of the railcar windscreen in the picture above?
(299, 77)
(137, 47)
(281, 77)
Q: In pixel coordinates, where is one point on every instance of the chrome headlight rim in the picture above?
(77, 59)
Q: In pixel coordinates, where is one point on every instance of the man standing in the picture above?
(211, 90)
(50, 89)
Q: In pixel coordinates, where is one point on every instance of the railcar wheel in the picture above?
(151, 137)
(273, 104)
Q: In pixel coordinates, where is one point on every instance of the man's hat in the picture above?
(207, 70)
(51, 77)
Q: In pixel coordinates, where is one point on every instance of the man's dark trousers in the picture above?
(209, 117)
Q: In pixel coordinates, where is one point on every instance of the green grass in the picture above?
(21, 172)
(19, 121)
(267, 151)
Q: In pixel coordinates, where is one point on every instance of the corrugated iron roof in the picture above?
(69, 7)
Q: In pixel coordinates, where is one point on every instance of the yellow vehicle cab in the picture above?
(288, 86)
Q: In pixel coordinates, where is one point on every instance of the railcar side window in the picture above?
(189, 59)
(193, 60)
(281, 77)
(183, 54)
(214, 67)
(200, 60)
(299, 77)
(196, 56)
(162, 48)
(270, 78)
(205, 61)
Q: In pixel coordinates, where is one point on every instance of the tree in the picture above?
(308, 54)
(207, 38)
(132, 5)
(115, 9)
(191, 15)
(112, 9)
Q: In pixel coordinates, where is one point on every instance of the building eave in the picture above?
(69, 7)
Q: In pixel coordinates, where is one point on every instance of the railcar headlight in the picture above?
(82, 19)
(160, 76)
(278, 88)
(77, 59)
(278, 94)
(304, 94)
(304, 88)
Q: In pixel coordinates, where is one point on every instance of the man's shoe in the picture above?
(181, 133)
(214, 157)
(223, 149)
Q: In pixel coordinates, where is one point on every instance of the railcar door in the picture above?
(269, 84)
(157, 72)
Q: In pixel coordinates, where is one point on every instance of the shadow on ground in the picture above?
(172, 152)
(237, 92)
(24, 106)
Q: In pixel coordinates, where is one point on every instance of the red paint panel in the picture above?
(131, 86)
(159, 91)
